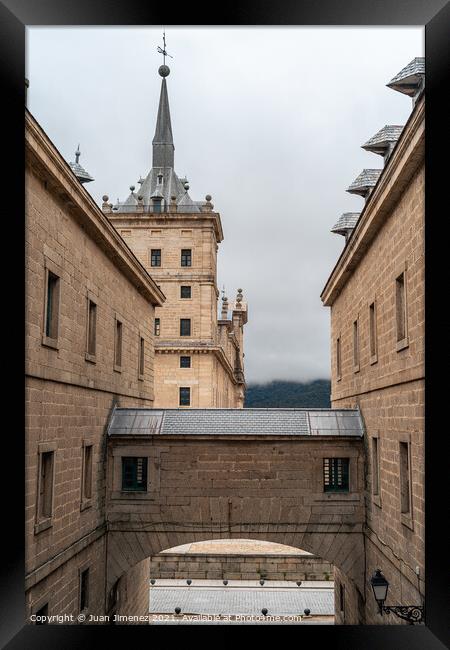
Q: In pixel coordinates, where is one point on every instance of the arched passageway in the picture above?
(260, 477)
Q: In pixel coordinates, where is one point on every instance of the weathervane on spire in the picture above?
(163, 51)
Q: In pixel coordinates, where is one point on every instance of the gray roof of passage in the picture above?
(380, 142)
(364, 182)
(241, 422)
(410, 77)
(345, 223)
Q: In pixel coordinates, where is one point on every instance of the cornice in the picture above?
(169, 219)
(217, 350)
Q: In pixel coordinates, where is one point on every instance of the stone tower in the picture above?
(198, 353)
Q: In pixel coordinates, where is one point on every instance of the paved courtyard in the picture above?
(242, 599)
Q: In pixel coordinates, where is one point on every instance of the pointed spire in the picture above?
(163, 148)
(77, 154)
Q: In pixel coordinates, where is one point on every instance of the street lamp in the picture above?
(411, 613)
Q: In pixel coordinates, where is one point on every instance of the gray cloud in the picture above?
(267, 120)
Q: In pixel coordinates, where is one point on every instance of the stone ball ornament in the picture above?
(208, 197)
(164, 70)
(105, 197)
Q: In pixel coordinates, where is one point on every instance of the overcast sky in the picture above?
(269, 121)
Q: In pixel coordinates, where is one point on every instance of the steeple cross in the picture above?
(162, 50)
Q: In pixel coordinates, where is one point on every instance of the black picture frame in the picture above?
(435, 15)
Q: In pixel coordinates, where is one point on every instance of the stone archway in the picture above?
(126, 550)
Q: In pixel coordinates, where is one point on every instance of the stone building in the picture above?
(198, 352)
(376, 296)
(88, 346)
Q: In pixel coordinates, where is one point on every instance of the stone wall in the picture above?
(133, 594)
(348, 601)
(58, 585)
(69, 395)
(239, 567)
(388, 386)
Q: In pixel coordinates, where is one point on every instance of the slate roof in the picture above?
(410, 77)
(212, 422)
(345, 223)
(243, 600)
(80, 173)
(379, 142)
(364, 182)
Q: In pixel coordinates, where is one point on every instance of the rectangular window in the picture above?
(356, 345)
(155, 258)
(45, 496)
(118, 344)
(157, 326)
(405, 491)
(92, 328)
(335, 474)
(185, 396)
(185, 362)
(373, 332)
(338, 358)
(185, 326)
(141, 356)
(84, 590)
(375, 467)
(52, 306)
(186, 257)
(342, 599)
(45, 503)
(134, 474)
(185, 292)
(400, 304)
(87, 472)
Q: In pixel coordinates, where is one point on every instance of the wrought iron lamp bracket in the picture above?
(411, 613)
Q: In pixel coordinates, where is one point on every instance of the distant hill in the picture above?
(289, 394)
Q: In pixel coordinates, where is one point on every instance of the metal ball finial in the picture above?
(164, 70)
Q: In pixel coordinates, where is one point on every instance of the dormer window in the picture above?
(160, 179)
(156, 205)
